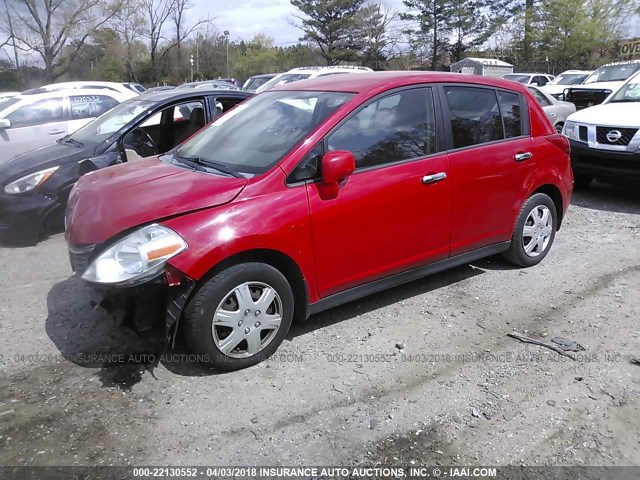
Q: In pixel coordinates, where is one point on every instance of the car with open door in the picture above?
(313, 194)
(34, 187)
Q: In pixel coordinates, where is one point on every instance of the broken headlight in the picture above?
(136, 258)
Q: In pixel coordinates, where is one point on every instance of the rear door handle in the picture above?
(521, 157)
(433, 178)
(55, 132)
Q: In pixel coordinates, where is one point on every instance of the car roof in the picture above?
(530, 73)
(315, 69)
(70, 91)
(386, 80)
(179, 94)
(265, 75)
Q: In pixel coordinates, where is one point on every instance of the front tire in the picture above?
(239, 317)
(534, 232)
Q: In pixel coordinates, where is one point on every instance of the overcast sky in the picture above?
(245, 18)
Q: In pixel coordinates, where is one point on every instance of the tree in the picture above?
(432, 17)
(47, 27)
(338, 27)
(129, 22)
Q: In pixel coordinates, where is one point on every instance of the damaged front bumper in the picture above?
(156, 304)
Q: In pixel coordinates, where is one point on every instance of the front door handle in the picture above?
(56, 132)
(521, 157)
(433, 178)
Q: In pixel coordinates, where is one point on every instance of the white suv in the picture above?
(37, 120)
(304, 73)
(605, 139)
(601, 83)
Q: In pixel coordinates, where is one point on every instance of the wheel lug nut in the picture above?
(258, 324)
(247, 311)
(257, 312)
(247, 330)
(240, 323)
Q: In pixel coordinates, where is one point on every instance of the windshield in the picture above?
(115, 119)
(258, 133)
(569, 79)
(7, 102)
(630, 92)
(613, 73)
(517, 78)
(282, 80)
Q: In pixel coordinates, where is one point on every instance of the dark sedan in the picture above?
(34, 187)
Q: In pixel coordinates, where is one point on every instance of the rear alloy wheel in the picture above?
(534, 232)
(240, 316)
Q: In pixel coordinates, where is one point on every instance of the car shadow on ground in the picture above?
(620, 197)
(87, 336)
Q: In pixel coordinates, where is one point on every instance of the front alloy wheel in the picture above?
(247, 320)
(240, 316)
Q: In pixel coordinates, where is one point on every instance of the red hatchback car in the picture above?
(314, 194)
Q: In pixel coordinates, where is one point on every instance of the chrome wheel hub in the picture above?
(247, 319)
(537, 231)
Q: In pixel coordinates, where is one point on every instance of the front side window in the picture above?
(258, 133)
(90, 106)
(38, 113)
(475, 115)
(397, 127)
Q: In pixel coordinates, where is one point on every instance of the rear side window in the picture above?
(396, 127)
(38, 113)
(90, 106)
(511, 116)
(475, 115)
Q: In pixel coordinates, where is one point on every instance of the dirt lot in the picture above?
(422, 373)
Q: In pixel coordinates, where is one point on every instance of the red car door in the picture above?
(489, 163)
(393, 212)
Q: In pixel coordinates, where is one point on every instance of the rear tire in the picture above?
(534, 231)
(239, 317)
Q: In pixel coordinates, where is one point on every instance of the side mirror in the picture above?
(535, 84)
(5, 123)
(337, 166)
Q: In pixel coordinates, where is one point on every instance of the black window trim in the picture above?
(446, 113)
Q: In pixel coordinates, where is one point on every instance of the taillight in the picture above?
(559, 141)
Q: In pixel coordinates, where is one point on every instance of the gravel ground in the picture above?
(422, 373)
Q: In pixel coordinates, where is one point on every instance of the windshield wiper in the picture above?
(200, 163)
(221, 167)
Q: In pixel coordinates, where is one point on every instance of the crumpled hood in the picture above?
(109, 201)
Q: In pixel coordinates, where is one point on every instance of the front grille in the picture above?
(582, 133)
(587, 98)
(624, 137)
(79, 257)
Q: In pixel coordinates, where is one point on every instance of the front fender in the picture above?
(277, 221)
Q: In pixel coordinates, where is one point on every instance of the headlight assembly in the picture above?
(29, 182)
(570, 130)
(136, 258)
